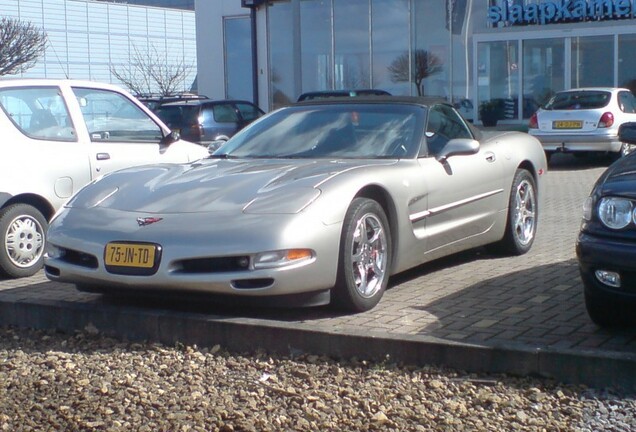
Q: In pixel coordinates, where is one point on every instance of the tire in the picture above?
(603, 312)
(521, 226)
(365, 260)
(23, 230)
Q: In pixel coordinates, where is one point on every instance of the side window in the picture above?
(626, 102)
(443, 125)
(224, 113)
(110, 116)
(38, 112)
(248, 112)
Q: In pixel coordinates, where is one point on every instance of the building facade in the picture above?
(91, 39)
(518, 52)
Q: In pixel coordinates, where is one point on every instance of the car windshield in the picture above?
(577, 100)
(178, 115)
(332, 131)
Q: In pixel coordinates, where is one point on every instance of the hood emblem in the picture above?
(143, 221)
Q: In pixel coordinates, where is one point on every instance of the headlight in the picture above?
(615, 213)
(282, 258)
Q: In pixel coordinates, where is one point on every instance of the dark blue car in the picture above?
(606, 245)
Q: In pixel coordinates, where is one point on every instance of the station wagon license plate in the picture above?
(130, 255)
(567, 124)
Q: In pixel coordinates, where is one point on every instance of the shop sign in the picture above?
(559, 11)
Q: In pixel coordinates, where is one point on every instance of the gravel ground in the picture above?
(86, 382)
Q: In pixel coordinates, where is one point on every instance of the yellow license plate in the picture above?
(130, 255)
(567, 124)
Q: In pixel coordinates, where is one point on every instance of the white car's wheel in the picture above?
(365, 257)
(23, 230)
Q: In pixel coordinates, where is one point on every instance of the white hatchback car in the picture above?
(58, 135)
(584, 120)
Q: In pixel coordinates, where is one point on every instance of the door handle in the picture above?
(103, 156)
(490, 157)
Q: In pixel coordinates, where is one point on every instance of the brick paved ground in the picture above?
(535, 300)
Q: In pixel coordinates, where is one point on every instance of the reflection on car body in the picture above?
(313, 203)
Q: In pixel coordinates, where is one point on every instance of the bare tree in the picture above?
(150, 71)
(425, 64)
(21, 45)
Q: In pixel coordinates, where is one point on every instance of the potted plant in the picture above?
(489, 112)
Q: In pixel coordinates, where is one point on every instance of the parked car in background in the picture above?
(57, 136)
(323, 94)
(584, 120)
(606, 245)
(314, 203)
(155, 101)
(208, 121)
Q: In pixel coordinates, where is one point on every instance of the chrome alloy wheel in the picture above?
(369, 255)
(24, 241)
(525, 212)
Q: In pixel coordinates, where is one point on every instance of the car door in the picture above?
(464, 192)
(41, 154)
(121, 134)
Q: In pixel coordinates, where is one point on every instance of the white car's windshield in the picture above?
(332, 131)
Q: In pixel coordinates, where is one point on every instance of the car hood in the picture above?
(620, 178)
(211, 185)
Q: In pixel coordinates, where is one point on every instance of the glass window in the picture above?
(224, 113)
(352, 44)
(249, 112)
(431, 49)
(543, 72)
(238, 58)
(315, 44)
(111, 116)
(627, 61)
(444, 124)
(579, 100)
(38, 112)
(282, 49)
(627, 102)
(498, 81)
(390, 42)
(592, 61)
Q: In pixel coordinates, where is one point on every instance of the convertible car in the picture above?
(315, 203)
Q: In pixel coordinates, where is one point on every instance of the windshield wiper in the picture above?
(222, 156)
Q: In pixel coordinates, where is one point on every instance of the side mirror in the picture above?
(214, 145)
(627, 133)
(173, 136)
(456, 147)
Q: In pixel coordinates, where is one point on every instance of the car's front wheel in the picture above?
(521, 225)
(365, 257)
(23, 229)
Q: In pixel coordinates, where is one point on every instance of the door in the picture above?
(121, 134)
(465, 192)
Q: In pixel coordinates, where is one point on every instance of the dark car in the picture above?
(606, 245)
(206, 121)
(323, 94)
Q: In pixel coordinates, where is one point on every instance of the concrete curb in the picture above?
(591, 367)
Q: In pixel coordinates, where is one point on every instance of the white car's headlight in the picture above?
(615, 213)
(282, 258)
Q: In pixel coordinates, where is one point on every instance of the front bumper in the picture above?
(574, 143)
(602, 253)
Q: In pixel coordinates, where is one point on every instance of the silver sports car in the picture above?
(314, 203)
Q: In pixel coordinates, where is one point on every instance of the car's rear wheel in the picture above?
(23, 229)
(365, 257)
(521, 226)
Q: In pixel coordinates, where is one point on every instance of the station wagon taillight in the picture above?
(534, 122)
(607, 120)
